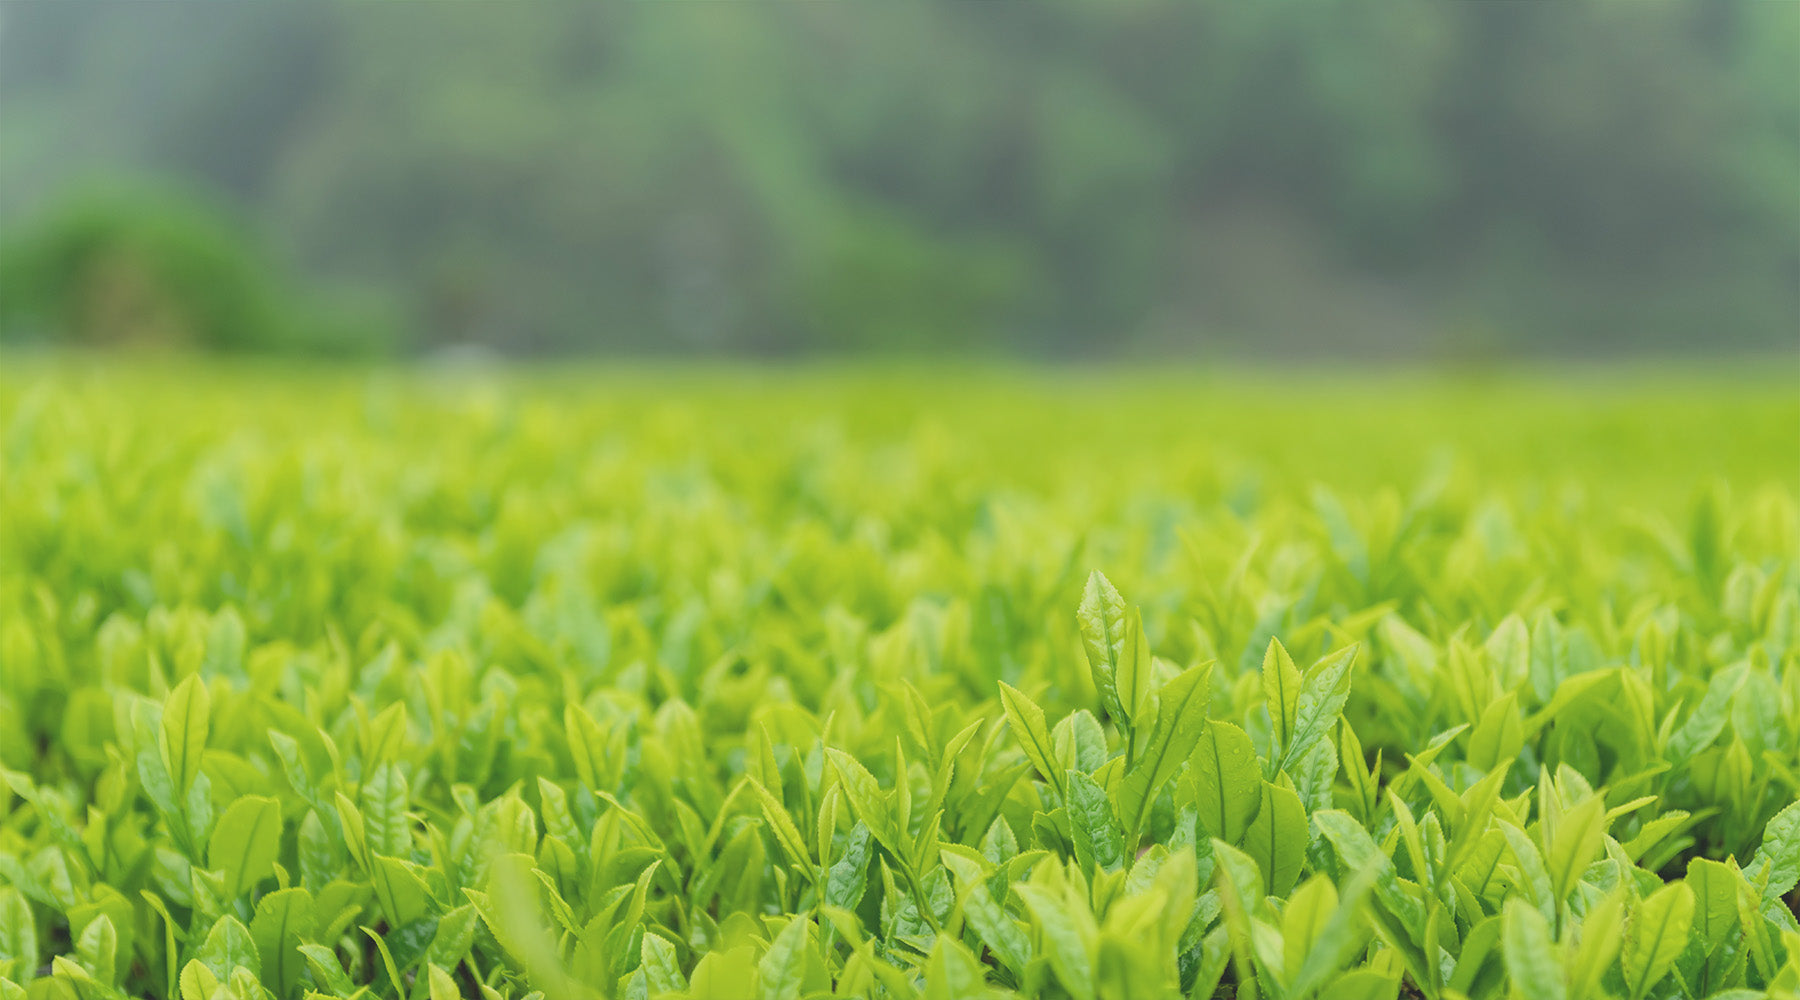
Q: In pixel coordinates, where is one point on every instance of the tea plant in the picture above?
(333, 686)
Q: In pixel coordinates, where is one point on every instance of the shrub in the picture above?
(145, 267)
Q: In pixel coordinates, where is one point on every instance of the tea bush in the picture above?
(785, 685)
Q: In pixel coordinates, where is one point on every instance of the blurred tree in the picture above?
(1061, 178)
(132, 266)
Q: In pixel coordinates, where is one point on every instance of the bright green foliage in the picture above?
(433, 688)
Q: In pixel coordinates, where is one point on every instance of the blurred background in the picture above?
(1405, 180)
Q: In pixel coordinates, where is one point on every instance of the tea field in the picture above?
(804, 683)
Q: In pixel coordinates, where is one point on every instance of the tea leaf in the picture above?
(1027, 722)
(1532, 957)
(1323, 691)
(1102, 619)
(186, 722)
(228, 946)
(1281, 683)
(1068, 942)
(1655, 934)
(246, 842)
(1228, 781)
(284, 920)
(1097, 835)
(1276, 839)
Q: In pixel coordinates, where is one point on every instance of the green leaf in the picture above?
(787, 835)
(1498, 735)
(1180, 722)
(951, 972)
(587, 744)
(1596, 945)
(1715, 886)
(197, 810)
(383, 804)
(387, 959)
(1102, 622)
(1276, 839)
(401, 890)
(995, 927)
(18, 932)
(198, 981)
(320, 856)
(293, 767)
(1533, 961)
(1215, 952)
(1135, 669)
(1098, 840)
(439, 984)
(1708, 719)
(454, 936)
(848, 878)
(1576, 843)
(1508, 648)
(1568, 694)
(868, 802)
(98, 949)
(1228, 781)
(1779, 854)
(228, 946)
(1080, 742)
(1281, 689)
(725, 973)
(1324, 932)
(1303, 921)
(782, 971)
(1656, 933)
(1549, 656)
(350, 819)
(559, 822)
(171, 950)
(1323, 690)
(186, 722)
(284, 919)
(661, 966)
(326, 969)
(1069, 940)
(1534, 875)
(1357, 852)
(999, 844)
(1027, 722)
(245, 843)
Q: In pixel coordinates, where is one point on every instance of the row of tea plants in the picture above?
(319, 686)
